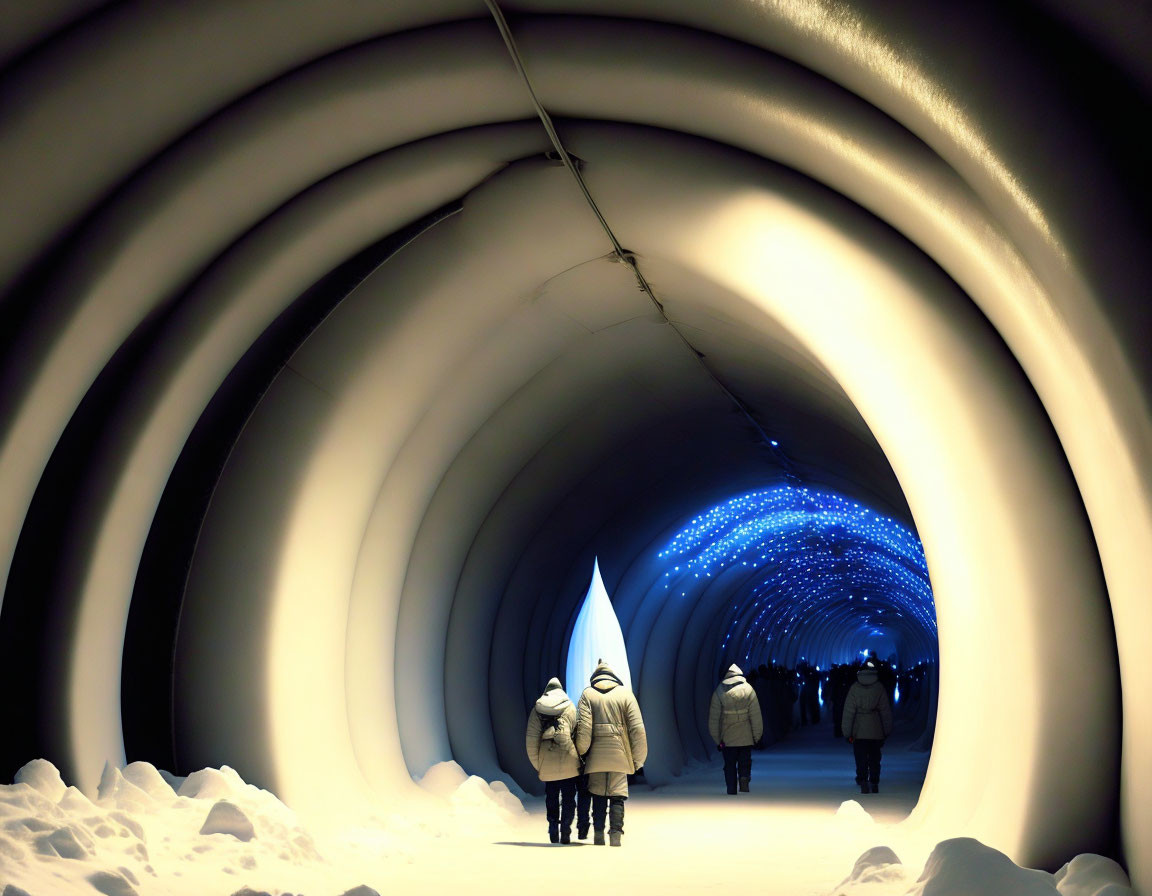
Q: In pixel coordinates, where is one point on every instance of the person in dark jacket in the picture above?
(866, 724)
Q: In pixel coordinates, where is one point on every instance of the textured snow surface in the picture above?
(966, 867)
(148, 832)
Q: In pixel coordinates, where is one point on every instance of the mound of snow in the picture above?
(118, 792)
(43, 777)
(964, 866)
(471, 793)
(212, 784)
(878, 871)
(140, 837)
(228, 818)
(145, 776)
(74, 801)
(1092, 875)
(443, 779)
(477, 794)
(852, 813)
(961, 866)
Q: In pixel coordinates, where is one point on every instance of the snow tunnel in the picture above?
(332, 359)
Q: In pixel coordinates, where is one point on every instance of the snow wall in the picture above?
(322, 387)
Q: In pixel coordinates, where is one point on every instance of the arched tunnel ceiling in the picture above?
(321, 378)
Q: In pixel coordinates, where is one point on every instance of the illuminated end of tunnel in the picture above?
(824, 576)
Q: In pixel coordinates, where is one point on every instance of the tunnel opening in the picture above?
(798, 586)
(860, 221)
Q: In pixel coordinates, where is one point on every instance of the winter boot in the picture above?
(744, 784)
(565, 835)
(582, 833)
(553, 835)
(864, 788)
(598, 837)
(616, 820)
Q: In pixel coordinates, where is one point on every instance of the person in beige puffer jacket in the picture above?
(610, 736)
(552, 752)
(735, 723)
(866, 724)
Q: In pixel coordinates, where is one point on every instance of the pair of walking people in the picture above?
(584, 755)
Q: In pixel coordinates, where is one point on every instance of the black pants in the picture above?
(867, 760)
(737, 764)
(583, 804)
(560, 804)
(600, 808)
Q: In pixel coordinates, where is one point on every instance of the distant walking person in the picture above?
(735, 723)
(610, 736)
(867, 723)
(552, 752)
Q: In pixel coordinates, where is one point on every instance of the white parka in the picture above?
(609, 728)
(734, 717)
(551, 748)
(867, 712)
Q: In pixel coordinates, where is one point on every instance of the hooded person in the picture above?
(610, 736)
(866, 724)
(552, 752)
(735, 723)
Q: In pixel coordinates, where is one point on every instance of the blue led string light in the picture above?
(813, 558)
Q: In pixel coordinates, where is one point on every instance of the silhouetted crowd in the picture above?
(791, 698)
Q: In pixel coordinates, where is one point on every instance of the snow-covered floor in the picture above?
(799, 832)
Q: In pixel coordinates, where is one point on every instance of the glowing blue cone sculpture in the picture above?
(595, 636)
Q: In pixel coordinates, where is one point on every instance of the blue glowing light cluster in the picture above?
(803, 563)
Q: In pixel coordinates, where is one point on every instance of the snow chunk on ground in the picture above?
(228, 818)
(75, 802)
(112, 883)
(878, 871)
(852, 813)
(1092, 875)
(145, 776)
(116, 791)
(963, 865)
(139, 837)
(67, 843)
(212, 784)
(476, 793)
(42, 776)
(470, 793)
(443, 779)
